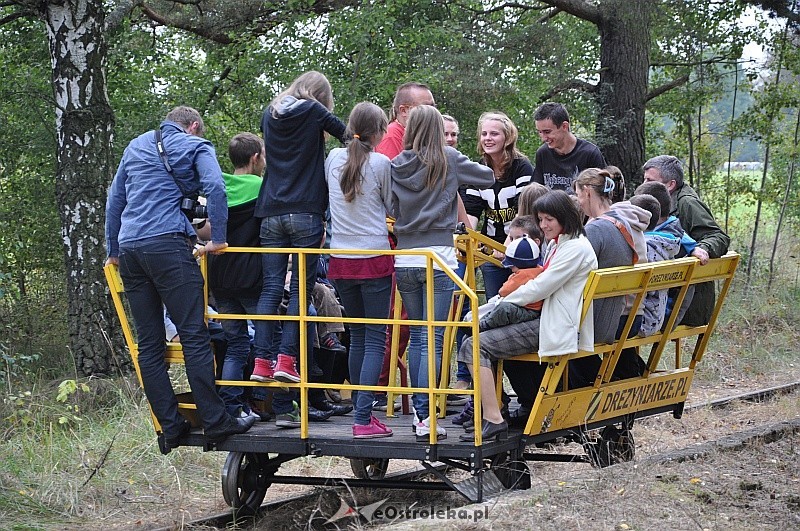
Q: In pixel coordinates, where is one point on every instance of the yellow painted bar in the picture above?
(590, 404)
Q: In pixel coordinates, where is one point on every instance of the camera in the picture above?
(193, 209)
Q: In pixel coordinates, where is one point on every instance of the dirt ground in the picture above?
(757, 488)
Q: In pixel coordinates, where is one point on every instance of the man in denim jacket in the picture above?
(151, 239)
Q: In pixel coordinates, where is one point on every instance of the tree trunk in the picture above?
(84, 128)
(624, 66)
(730, 148)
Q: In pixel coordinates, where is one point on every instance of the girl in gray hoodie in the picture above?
(425, 181)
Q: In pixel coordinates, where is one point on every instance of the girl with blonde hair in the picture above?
(497, 147)
(425, 181)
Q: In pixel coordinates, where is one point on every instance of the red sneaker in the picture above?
(264, 370)
(285, 369)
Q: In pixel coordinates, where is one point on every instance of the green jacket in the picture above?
(699, 223)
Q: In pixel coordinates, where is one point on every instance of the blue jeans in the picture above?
(238, 340)
(161, 270)
(287, 230)
(365, 298)
(412, 285)
(462, 371)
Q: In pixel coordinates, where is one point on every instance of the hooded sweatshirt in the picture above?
(239, 271)
(663, 245)
(672, 227)
(294, 182)
(611, 250)
(637, 219)
(427, 218)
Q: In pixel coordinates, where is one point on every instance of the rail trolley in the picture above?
(600, 416)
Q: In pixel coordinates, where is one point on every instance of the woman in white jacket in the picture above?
(568, 260)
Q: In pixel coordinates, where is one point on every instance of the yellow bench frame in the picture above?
(558, 408)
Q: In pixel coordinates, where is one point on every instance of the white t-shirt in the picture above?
(447, 253)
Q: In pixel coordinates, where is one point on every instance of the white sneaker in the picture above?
(246, 414)
(415, 420)
(423, 430)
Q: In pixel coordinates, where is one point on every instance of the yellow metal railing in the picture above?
(435, 389)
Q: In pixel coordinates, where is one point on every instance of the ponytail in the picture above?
(366, 122)
(618, 192)
(357, 154)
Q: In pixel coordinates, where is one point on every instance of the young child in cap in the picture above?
(522, 257)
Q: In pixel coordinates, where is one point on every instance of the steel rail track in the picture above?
(752, 396)
(225, 519)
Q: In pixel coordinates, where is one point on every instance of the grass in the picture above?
(757, 336)
(100, 465)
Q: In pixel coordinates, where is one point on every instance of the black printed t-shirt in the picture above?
(498, 202)
(557, 172)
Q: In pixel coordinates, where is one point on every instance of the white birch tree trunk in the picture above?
(84, 129)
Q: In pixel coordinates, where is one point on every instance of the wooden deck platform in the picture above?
(334, 437)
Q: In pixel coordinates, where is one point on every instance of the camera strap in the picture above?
(162, 153)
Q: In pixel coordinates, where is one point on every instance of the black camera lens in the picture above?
(187, 204)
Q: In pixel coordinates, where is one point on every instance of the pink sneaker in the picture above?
(264, 370)
(285, 370)
(374, 420)
(373, 430)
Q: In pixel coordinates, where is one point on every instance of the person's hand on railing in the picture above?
(210, 248)
(701, 254)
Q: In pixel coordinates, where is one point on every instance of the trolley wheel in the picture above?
(614, 446)
(512, 473)
(622, 446)
(245, 481)
(369, 468)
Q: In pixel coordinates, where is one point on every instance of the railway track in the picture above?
(226, 519)
(771, 433)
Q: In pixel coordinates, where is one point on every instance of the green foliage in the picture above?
(698, 40)
(70, 389)
(26, 408)
(15, 366)
(29, 221)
